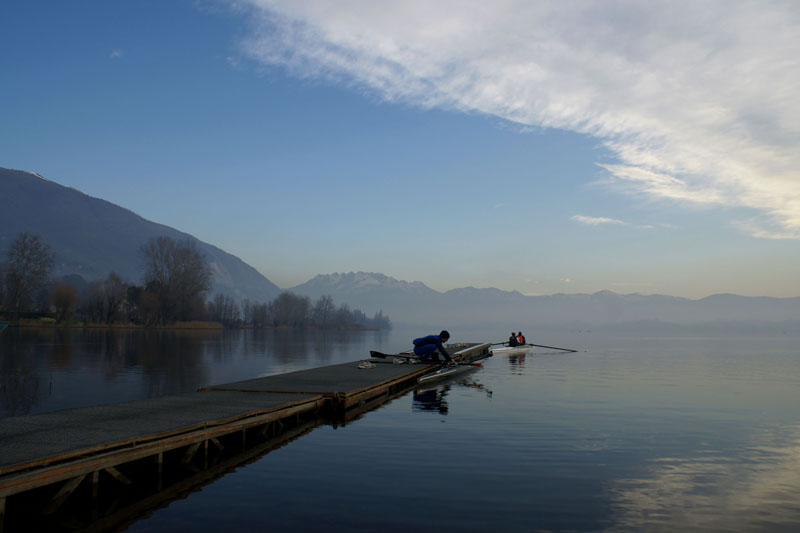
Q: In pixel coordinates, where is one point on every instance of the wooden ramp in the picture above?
(49, 458)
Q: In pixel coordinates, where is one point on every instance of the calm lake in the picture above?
(631, 433)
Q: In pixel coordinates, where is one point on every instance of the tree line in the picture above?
(175, 287)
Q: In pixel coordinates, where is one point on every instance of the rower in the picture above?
(512, 340)
(425, 346)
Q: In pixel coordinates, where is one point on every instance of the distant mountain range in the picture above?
(92, 237)
(417, 304)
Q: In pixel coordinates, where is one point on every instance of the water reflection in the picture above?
(52, 368)
(517, 363)
(753, 490)
(19, 388)
(432, 399)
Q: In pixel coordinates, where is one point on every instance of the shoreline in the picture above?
(191, 325)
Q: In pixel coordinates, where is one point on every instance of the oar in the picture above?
(537, 345)
(552, 347)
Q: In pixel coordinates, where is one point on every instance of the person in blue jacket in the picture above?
(425, 346)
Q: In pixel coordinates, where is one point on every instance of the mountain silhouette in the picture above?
(92, 237)
(417, 304)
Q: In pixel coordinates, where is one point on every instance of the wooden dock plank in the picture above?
(27, 440)
(345, 378)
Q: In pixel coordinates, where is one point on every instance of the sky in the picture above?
(543, 147)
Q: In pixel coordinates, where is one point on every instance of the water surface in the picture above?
(635, 432)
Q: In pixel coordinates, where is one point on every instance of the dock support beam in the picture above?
(95, 484)
(116, 474)
(62, 495)
(190, 453)
(160, 471)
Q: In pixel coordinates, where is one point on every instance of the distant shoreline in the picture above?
(192, 325)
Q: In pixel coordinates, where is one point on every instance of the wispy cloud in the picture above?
(596, 221)
(116, 53)
(697, 100)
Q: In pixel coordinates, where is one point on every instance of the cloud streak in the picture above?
(696, 100)
(596, 221)
(599, 221)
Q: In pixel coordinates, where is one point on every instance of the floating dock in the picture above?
(108, 464)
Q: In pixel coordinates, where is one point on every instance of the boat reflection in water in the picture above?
(517, 363)
(432, 399)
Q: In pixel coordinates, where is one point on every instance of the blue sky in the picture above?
(545, 148)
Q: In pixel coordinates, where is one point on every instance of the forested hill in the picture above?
(93, 237)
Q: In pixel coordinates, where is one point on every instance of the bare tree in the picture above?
(224, 309)
(290, 310)
(260, 315)
(344, 317)
(115, 292)
(323, 312)
(179, 275)
(64, 297)
(93, 302)
(149, 307)
(247, 311)
(27, 269)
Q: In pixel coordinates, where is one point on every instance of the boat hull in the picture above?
(512, 350)
(446, 373)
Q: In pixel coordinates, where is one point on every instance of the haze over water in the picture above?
(637, 432)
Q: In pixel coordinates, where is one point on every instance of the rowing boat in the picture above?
(512, 350)
(447, 372)
(461, 352)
